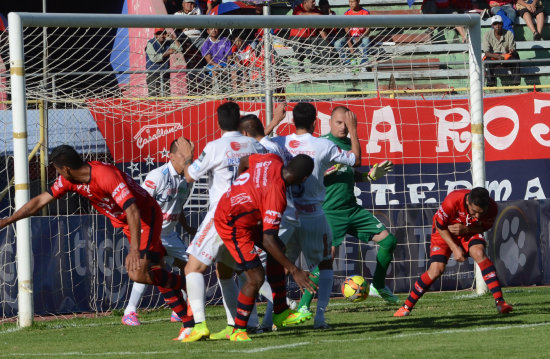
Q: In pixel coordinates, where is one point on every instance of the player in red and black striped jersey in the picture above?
(249, 215)
(117, 196)
(457, 228)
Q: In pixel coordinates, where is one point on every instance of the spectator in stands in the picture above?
(157, 56)
(529, 9)
(325, 9)
(499, 44)
(246, 58)
(312, 37)
(190, 8)
(447, 7)
(354, 38)
(216, 50)
(210, 4)
(505, 5)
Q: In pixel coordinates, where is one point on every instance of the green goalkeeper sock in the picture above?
(308, 296)
(383, 260)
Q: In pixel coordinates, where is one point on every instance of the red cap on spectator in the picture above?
(159, 29)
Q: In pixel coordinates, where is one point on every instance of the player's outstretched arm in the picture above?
(278, 116)
(377, 171)
(28, 209)
(300, 277)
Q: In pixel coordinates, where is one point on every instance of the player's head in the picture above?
(65, 159)
(304, 115)
(177, 157)
(478, 201)
(298, 169)
(229, 116)
(337, 124)
(251, 126)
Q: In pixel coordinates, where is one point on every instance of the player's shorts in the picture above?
(207, 246)
(440, 251)
(150, 242)
(242, 247)
(356, 221)
(312, 238)
(174, 246)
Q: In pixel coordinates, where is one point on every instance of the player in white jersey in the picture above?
(312, 236)
(167, 185)
(220, 161)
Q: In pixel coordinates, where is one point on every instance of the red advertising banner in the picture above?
(405, 131)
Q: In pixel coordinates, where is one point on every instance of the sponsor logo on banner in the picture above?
(151, 133)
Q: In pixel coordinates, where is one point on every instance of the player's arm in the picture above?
(351, 123)
(377, 171)
(186, 227)
(459, 229)
(458, 252)
(28, 209)
(300, 277)
(278, 116)
(244, 164)
(188, 152)
(133, 217)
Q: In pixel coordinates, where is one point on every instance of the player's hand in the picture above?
(279, 113)
(379, 170)
(132, 261)
(187, 147)
(458, 254)
(302, 278)
(458, 229)
(350, 120)
(333, 169)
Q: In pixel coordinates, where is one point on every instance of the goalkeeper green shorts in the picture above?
(356, 221)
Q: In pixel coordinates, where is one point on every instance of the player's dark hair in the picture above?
(174, 146)
(339, 108)
(479, 196)
(229, 116)
(300, 166)
(304, 115)
(252, 124)
(66, 155)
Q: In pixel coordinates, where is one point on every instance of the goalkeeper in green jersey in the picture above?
(345, 216)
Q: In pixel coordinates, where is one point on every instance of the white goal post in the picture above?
(19, 21)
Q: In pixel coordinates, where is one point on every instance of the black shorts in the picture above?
(538, 10)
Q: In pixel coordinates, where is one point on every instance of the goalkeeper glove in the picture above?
(333, 169)
(378, 171)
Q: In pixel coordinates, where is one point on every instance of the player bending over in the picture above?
(457, 228)
(118, 197)
(249, 214)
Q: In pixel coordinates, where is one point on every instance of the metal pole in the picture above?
(268, 71)
(476, 114)
(44, 113)
(17, 79)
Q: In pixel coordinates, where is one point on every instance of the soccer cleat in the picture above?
(384, 293)
(174, 317)
(130, 319)
(289, 317)
(503, 307)
(223, 334)
(239, 335)
(184, 333)
(402, 312)
(200, 331)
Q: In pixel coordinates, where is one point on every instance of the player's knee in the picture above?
(477, 252)
(194, 266)
(436, 269)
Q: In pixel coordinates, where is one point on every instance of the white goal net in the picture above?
(103, 85)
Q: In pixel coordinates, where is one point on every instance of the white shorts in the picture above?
(207, 246)
(313, 238)
(174, 246)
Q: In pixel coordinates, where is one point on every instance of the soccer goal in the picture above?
(88, 80)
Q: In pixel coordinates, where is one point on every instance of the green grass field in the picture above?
(443, 325)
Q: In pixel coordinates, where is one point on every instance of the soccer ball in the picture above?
(355, 288)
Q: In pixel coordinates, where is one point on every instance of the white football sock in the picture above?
(196, 294)
(326, 277)
(230, 293)
(135, 297)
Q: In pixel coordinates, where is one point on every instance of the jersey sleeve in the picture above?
(445, 212)
(60, 187)
(204, 163)
(112, 181)
(152, 183)
(337, 155)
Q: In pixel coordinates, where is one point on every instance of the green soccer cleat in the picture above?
(200, 331)
(289, 317)
(223, 334)
(384, 293)
(239, 335)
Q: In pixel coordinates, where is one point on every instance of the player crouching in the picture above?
(457, 228)
(253, 206)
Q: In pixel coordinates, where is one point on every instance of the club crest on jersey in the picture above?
(294, 144)
(150, 133)
(150, 184)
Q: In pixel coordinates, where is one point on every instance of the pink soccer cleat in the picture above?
(174, 317)
(130, 319)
